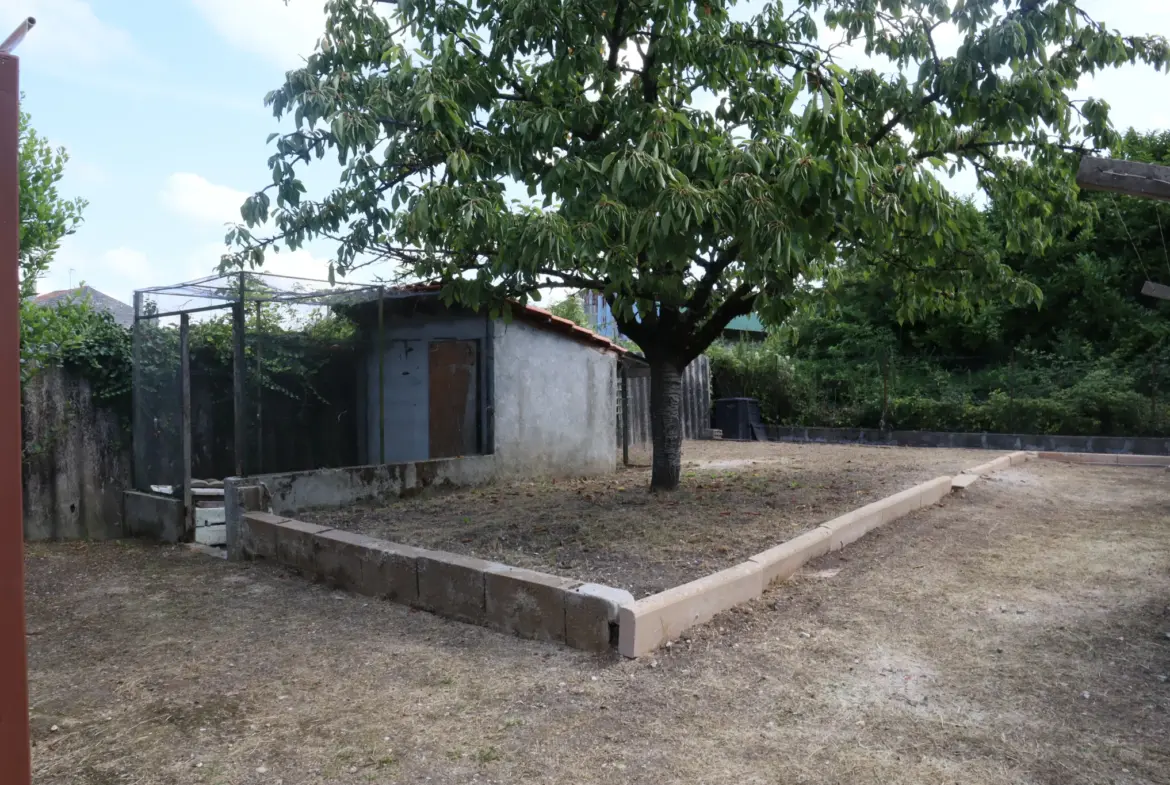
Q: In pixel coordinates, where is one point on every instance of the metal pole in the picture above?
(238, 373)
(625, 413)
(885, 390)
(1012, 394)
(12, 41)
(137, 423)
(1154, 400)
(14, 735)
(380, 337)
(259, 467)
(185, 418)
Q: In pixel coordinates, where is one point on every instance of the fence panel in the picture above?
(695, 407)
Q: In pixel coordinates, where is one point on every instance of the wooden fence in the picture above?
(696, 404)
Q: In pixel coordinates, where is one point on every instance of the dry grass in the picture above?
(1014, 634)
(736, 500)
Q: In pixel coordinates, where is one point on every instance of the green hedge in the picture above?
(1042, 395)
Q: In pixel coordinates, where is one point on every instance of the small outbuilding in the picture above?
(535, 391)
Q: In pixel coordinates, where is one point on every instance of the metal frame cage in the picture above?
(244, 373)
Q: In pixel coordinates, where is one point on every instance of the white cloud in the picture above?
(193, 196)
(282, 34)
(120, 270)
(68, 35)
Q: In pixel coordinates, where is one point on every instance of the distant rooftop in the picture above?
(123, 314)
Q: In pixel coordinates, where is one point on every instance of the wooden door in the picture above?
(454, 399)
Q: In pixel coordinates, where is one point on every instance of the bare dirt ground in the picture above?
(736, 500)
(1014, 634)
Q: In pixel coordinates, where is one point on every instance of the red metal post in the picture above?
(14, 738)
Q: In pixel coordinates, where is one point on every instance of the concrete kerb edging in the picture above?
(652, 621)
(1105, 459)
(969, 477)
(510, 599)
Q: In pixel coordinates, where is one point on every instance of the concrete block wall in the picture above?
(1143, 445)
(521, 602)
(652, 621)
(290, 492)
(548, 607)
(153, 516)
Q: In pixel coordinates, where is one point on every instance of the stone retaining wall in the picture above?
(518, 601)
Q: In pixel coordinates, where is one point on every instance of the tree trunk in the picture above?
(666, 424)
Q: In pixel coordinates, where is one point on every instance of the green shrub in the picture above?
(1032, 393)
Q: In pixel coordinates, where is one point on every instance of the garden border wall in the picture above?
(1147, 445)
(522, 602)
(550, 607)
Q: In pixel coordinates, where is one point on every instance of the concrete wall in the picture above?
(518, 601)
(76, 461)
(289, 493)
(154, 517)
(1139, 445)
(554, 403)
(547, 402)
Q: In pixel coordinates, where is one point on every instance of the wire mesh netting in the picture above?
(158, 460)
(273, 377)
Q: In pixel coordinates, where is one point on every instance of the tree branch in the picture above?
(899, 116)
(739, 303)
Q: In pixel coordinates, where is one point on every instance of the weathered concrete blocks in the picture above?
(1002, 462)
(964, 480)
(340, 559)
(652, 621)
(154, 516)
(782, 562)
(1143, 460)
(257, 535)
(237, 501)
(211, 535)
(390, 571)
(590, 610)
(452, 585)
(900, 504)
(526, 603)
(934, 491)
(853, 526)
(295, 545)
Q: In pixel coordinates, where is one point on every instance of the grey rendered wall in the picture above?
(405, 371)
(76, 461)
(554, 403)
(292, 492)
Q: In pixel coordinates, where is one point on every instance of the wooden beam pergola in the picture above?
(1130, 178)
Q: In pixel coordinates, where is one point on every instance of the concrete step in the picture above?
(209, 516)
(211, 535)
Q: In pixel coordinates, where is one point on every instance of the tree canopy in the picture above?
(692, 160)
(45, 216)
(1092, 358)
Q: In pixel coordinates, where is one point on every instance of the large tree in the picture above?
(691, 160)
(45, 216)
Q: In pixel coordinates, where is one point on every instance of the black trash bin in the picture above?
(739, 418)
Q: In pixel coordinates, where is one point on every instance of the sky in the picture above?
(160, 107)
